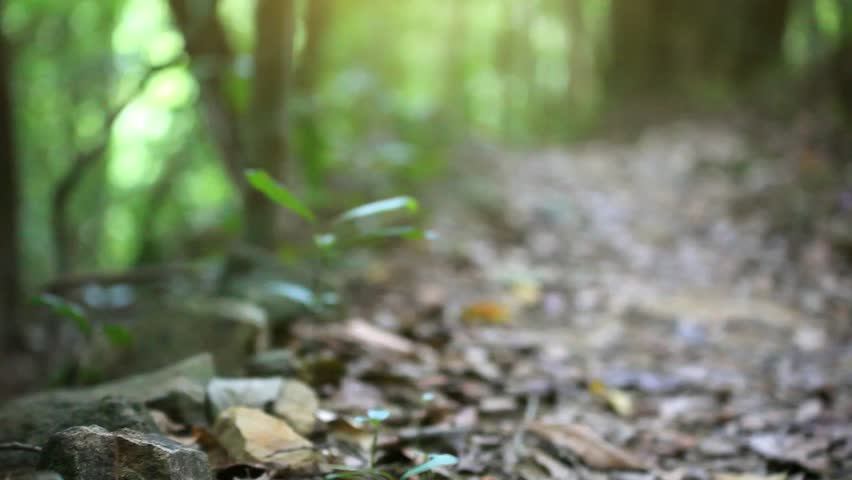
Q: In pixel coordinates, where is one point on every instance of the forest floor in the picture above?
(633, 309)
(628, 306)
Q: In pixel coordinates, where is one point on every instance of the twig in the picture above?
(513, 453)
(314, 448)
(19, 446)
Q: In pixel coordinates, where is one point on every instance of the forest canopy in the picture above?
(134, 119)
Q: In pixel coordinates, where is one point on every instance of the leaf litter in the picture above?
(631, 328)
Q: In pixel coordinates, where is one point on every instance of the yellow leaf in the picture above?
(485, 312)
(619, 401)
(526, 293)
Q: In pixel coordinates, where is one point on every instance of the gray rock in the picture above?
(223, 393)
(289, 399)
(93, 453)
(298, 404)
(33, 419)
(178, 390)
(231, 330)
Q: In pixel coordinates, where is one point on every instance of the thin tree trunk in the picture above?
(273, 59)
(211, 56)
(307, 79)
(9, 272)
(455, 93)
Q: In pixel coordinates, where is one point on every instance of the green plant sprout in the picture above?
(78, 369)
(425, 400)
(374, 418)
(335, 236)
(117, 335)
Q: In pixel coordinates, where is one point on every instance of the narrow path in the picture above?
(627, 267)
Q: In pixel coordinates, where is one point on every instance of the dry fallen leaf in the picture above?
(553, 466)
(485, 312)
(619, 401)
(526, 293)
(372, 336)
(586, 444)
(747, 476)
(799, 450)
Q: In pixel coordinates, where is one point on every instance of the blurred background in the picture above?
(126, 125)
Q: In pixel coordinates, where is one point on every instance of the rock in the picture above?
(34, 419)
(251, 436)
(298, 404)
(231, 330)
(223, 393)
(93, 453)
(289, 399)
(177, 390)
(279, 361)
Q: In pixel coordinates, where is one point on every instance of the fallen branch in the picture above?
(19, 446)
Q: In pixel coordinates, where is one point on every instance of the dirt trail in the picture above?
(627, 267)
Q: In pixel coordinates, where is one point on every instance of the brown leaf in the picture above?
(591, 448)
(747, 476)
(485, 312)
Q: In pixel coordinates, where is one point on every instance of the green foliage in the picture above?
(372, 111)
(435, 460)
(68, 310)
(379, 207)
(115, 334)
(265, 184)
(335, 238)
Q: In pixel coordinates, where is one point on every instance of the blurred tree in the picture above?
(662, 46)
(265, 144)
(212, 58)
(270, 140)
(313, 148)
(456, 101)
(842, 59)
(9, 273)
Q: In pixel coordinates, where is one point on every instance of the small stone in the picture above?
(223, 393)
(93, 453)
(252, 436)
(298, 404)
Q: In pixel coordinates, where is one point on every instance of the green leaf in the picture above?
(378, 414)
(359, 472)
(325, 241)
(67, 309)
(117, 335)
(293, 291)
(435, 461)
(406, 232)
(266, 185)
(378, 207)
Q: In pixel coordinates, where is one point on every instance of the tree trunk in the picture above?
(455, 93)
(662, 46)
(211, 57)
(273, 57)
(307, 78)
(9, 273)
